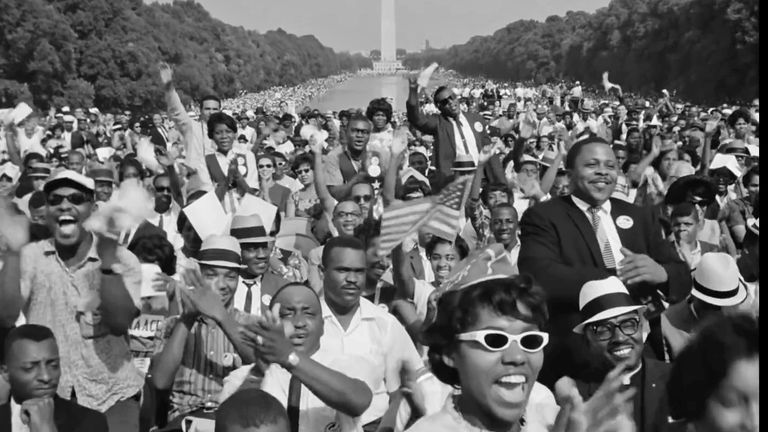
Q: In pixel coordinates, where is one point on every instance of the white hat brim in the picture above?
(224, 264)
(255, 240)
(606, 314)
(738, 299)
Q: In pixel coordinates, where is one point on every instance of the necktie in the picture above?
(160, 224)
(461, 132)
(248, 296)
(294, 398)
(602, 239)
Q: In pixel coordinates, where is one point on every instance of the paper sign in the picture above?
(197, 424)
(251, 204)
(207, 216)
(148, 272)
(146, 325)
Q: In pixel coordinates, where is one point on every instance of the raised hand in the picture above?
(37, 414)
(14, 229)
(166, 74)
(425, 75)
(636, 268)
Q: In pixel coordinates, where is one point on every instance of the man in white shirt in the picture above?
(355, 326)
(504, 225)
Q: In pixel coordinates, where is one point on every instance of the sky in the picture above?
(354, 25)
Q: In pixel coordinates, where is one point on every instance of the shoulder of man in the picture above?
(80, 417)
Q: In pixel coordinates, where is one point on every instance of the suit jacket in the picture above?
(68, 417)
(270, 284)
(157, 138)
(559, 249)
(79, 139)
(650, 402)
(444, 149)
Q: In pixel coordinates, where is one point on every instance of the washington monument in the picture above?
(388, 61)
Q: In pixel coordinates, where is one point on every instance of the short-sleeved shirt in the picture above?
(208, 357)
(98, 368)
(376, 335)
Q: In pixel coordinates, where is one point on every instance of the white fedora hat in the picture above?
(717, 280)
(220, 251)
(604, 299)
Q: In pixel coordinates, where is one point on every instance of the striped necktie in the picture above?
(602, 239)
(249, 295)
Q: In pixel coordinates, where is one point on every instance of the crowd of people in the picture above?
(490, 257)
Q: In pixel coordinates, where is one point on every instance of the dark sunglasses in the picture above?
(303, 171)
(163, 190)
(442, 102)
(76, 198)
(265, 166)
(497, 340)
(605, 331)
(362, 198)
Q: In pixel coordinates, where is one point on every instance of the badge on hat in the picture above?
(478, 127)
(624, 222)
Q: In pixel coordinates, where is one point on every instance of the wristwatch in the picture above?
(293, 360)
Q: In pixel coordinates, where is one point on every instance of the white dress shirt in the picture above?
(238, 301)
(376, 335)
(16, 424)
(469, 136)
(606, 221)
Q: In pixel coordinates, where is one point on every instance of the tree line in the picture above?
(705, 50)
(104, 53)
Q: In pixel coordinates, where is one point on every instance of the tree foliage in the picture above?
(706, 50)
(105, 52)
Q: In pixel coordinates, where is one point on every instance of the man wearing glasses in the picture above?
(613, 327)
(455, 133)
(344, 165)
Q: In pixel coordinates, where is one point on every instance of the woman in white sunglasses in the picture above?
(487, 342)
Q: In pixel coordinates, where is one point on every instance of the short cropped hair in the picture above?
(684, 209)
(211, 98)
(238, 411)
(341, 242)
(31, 332)
(573, 153)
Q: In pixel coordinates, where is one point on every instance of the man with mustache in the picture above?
(568, 241)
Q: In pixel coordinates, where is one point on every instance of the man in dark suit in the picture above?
(31, 366)
(612, 328)
(455, 132)
(568, 241)
(158, 134)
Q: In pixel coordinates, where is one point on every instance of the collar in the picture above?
(365, 308)
(584, 206)
(50, 249)
(625, 379)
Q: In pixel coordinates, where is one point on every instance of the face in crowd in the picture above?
(32, 369)
(103, 190)
(618, 339)
(358, 134)
(344, 278)
(256, 257)
(594, 174)
(163, 197)
(66, 209)
(302, 317)
(446, 102)
(266, 168)
(346, 217)
(504, 225)
(362, 195)
(222, 280)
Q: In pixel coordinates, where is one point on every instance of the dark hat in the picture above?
(286, 117)
(102, 174)
(678, 191)
(39, 170)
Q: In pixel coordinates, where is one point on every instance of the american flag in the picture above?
(440, 215)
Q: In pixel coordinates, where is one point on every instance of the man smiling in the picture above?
(613, 325)
(570, 240)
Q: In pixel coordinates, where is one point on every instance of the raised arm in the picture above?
(326, 200)
(399, 144)
(424, 123)
(193, 148)
(551, 173)
(166, 363)
(118, 305)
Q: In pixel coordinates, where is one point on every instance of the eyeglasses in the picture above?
(76, 198)
(605, 331)
(496, 340)
(265, 166)
(362, 198)
(303, 171)
(345, 215)
(442, 102)
(280, 164)
(163, 190)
